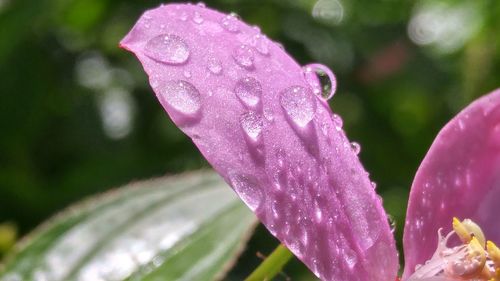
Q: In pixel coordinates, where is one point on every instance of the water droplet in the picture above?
(461, 124)
(243, 55)
(230, 23)
(350, 257)
(154, 82)
(184, 16)
(201, 4)
(348, 254)
(299, 104)
(392, 223)
(181, 95)
(214, 65)
(235, 15)
(249, 91)
(321, 79)
(356, 147)
(442, 206)
(337, 120)
(495, 136)
(187, 73)
(197, 18)
(318, 212)
(146, 21)
(247, 188)
(260, 43)
(374, 184)
(251, 123)
(281, 157)
(167, 48)
(324, 129)
(268, 114)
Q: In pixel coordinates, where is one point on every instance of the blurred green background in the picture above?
(77, 116)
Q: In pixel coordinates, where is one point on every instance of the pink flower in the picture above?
(255, 114)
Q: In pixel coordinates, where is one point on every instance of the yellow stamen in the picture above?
(477, 255)
(467, 229)
(486, 274)
(461, 231)
(493, 253)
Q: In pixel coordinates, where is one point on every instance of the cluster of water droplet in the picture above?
(299, 102)
(172, 49)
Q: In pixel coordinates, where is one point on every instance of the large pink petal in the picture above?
(247, 107)
(460, 176)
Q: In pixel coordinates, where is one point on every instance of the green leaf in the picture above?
(188, 227)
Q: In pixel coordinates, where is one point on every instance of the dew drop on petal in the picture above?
(281, 157)
(356, 147)
(321, 79)
(248, 90)
(184, 16)
(187, 73)
(268, 114)
(350, 257)
(243, 56)
(260, 43)
(247, 188)
(299, 104)
(181, 95)
(201, 4)
(167, 48)
(230, 23)
(251, 123)
(324, 129)
(214, 65)
(392, 223)
(154, 82)
(337, 120)
(197, 18)
(495, 135)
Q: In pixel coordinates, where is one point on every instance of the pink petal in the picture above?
(247, 107)
(460, 176)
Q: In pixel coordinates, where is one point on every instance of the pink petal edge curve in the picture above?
(248, 108)
(459, 177)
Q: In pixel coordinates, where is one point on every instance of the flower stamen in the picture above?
(475, 259)
(467, 229)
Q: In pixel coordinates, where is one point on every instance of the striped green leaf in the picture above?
(188, 227)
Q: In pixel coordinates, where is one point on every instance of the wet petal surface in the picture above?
(459, 177)
(254, 117)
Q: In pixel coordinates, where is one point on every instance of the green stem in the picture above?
(272, 265)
